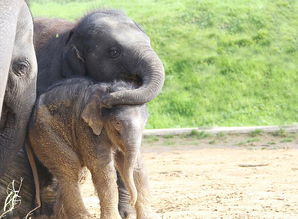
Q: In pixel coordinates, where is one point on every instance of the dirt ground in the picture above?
(234, 176)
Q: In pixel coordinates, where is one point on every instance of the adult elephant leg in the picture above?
(9, 10)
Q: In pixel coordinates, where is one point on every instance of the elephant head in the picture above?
(107, 45)
(123, 124)
(20, 90)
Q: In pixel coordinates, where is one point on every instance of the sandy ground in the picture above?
(220, 176)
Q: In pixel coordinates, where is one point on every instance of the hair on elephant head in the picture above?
(104, 45)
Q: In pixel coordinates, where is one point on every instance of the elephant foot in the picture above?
(125, 211)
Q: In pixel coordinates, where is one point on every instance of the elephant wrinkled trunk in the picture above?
(150, 69)
(13, 130)
(12, 141)
(128, 178)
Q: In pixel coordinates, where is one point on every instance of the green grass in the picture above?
(252, 140)
(255, 133)
(228, 63)
(287, 139)
(150, 139)
(280, 133)
(198, 134)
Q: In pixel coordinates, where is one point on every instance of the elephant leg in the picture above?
(65, 165)
(59, 207)
(124, 208)
(49, 196)
(104, 178)
(70, 203)
(69, 199)
(143, 207)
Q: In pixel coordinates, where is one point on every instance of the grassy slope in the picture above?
(228, 62)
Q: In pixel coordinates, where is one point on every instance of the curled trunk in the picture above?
(151, 71)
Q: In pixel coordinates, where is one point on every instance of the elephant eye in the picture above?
(114, 52)
(21, 67)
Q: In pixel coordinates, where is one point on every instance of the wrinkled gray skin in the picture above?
(18, 167)
(18, 62)
(9, 10)
(71, 129)
(104, 45)
(18, 69)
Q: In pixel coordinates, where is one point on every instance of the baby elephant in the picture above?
(71, 129)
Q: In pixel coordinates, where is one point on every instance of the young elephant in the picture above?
(70, 129)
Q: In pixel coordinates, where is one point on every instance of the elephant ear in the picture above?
(73, 62)
(92, 111)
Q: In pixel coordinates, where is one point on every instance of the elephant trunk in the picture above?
(130, 158)
(151, 71)
(12, 138)
(14, 124)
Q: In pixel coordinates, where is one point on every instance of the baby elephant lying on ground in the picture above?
(70, 129)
